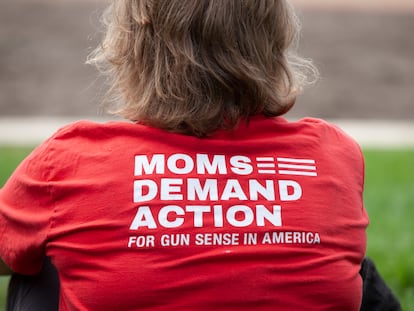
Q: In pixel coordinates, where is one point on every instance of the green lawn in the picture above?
(389, 199)
(9, 158)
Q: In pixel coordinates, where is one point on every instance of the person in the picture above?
(41, 292)
(208, 198)
(38, 292)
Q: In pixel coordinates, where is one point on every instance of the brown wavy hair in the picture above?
(194, 66)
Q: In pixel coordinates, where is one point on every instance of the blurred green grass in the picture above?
(10, 157)
(389, 199)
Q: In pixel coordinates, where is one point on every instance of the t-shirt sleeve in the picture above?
(26, 209)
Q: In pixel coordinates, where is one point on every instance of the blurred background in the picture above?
(363, 48)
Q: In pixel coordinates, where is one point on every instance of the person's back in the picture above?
(267, 215)
(210, 201)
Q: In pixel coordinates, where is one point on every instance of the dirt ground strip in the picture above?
(365, 54)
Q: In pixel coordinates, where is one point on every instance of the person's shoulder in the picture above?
(317, 122)
(81, 126)
(333, 139)
(87, 129)
(327, 129)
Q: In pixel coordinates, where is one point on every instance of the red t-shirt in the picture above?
(269, 216)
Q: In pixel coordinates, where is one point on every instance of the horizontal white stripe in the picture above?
(298, 173)
(302, 161)
(267, 171)
(266, 165)
(265, 159)
(298, 167)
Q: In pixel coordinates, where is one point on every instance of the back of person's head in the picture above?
(194, 66)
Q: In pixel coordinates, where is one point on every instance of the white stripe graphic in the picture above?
(265, 159)
(299, 173)
(266, 162)
(266, 171)
(265, 165)
(303, 161)
(298, 167)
